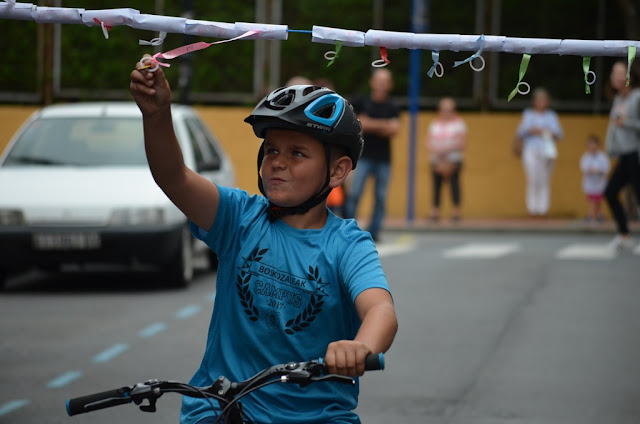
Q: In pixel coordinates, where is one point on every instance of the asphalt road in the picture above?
(494, 329)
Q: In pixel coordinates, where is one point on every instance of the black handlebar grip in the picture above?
(96, 401)
(374, 361)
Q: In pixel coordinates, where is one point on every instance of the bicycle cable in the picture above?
(206, 396)
(243, 393)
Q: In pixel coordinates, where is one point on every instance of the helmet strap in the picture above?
(274, 211)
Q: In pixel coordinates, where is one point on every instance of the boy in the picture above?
(294, 281)
(594, 165)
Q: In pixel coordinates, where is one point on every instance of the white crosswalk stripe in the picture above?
(481, 250)
(586, 251)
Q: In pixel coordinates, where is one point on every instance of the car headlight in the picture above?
(137, 216)
(11, 217)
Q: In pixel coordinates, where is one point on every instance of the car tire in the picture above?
(180, 270)
(3, 279)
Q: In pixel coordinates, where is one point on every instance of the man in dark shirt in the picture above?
(379, 118)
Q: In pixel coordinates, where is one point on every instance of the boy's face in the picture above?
(294, 167)
(592, 146)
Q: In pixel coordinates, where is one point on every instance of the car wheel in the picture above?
(180, 271)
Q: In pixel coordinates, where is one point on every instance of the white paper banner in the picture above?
(110, 17)
(211, 29)
(18, 11)
(267, 31)
(58, 15)
(159, 23)
(328, 35)
(389, 39)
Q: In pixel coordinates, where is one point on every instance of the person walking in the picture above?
(623, 143)
(446, 141)
(539, 131)
(379, 119)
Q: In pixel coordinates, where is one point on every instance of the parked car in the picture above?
(75, 188)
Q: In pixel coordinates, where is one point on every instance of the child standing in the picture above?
(594, 165)
(294, 282)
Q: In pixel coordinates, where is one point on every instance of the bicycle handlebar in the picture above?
(100, 400)
(301, 373)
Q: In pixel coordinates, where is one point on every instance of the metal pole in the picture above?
(258, 52)
(419, 18)
(274, 48)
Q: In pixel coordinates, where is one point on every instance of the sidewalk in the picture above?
(540, 225)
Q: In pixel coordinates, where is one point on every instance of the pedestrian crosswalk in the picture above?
(586, 251)
(481, 250)
(571, 250)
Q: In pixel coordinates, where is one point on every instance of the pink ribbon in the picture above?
(172, 54)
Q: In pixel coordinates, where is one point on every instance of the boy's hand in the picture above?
(346, 357)
(150, 89)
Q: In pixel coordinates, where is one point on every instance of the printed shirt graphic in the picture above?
(282, 294)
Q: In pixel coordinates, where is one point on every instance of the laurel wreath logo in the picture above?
(242, 285)
(310, 313)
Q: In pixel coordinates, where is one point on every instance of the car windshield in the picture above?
(102, 141)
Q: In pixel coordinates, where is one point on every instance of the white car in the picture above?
(75, 188)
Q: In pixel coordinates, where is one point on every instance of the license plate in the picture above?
(66, 241)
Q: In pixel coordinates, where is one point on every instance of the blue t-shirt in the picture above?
(282, 294)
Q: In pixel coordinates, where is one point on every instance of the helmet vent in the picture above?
(325, 111)
(283, 100)
(310, 89)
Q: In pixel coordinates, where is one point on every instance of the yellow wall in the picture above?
(492, 179)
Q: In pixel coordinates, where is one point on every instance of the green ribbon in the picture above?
(631, 53)
(338, 48)
(523, 70)
(586, 62)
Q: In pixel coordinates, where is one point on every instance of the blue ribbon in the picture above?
(479, 47)
(435, 56)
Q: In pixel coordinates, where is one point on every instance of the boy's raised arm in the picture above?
(193, 194)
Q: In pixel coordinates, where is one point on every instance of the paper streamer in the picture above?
(435, 56)
(154, 41)
(523, 70)
(172, 54)
(332, 57)
(586, 63)
(479, 46)
(631, 55)
(105, 28)
(384, 61)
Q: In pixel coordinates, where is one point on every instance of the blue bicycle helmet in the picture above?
(312, 110)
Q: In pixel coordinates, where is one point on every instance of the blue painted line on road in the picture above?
(187, 311)
(110, 353)
(152, 330)
(64, 379)
(13, 405)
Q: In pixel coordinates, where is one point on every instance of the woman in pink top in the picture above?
(446, 141)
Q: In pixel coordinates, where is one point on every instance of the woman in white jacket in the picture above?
(539, 130)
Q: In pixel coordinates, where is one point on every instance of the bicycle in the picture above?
(226, 392)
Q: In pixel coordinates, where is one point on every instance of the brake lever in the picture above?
(334, 377)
